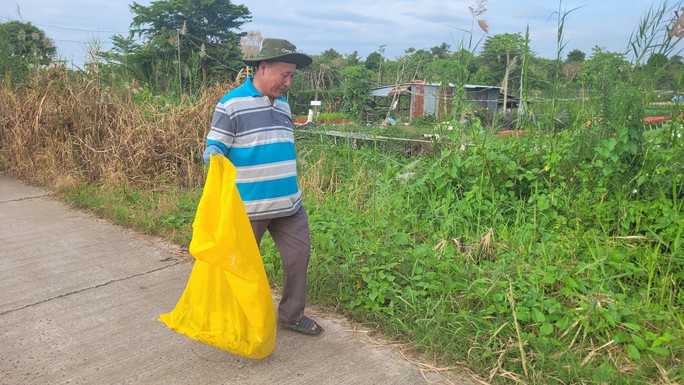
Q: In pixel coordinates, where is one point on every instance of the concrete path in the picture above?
(79, 299)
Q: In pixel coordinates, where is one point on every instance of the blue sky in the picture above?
(362, 25)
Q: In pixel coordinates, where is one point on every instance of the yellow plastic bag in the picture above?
(227, 302)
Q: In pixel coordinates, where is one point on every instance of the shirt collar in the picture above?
(250, 86)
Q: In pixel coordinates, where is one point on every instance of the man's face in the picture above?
(276, 77)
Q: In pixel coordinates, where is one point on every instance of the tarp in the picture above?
(227, 302)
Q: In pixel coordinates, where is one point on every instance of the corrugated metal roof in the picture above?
(389, 91)
(475, 86)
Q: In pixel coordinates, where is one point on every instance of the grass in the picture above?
(532, 276)
(167, 213)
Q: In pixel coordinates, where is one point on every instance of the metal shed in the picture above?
(433, 99)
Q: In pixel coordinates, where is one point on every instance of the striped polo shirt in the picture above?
(258, 138)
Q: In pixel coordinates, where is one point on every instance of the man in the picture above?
(252, 126)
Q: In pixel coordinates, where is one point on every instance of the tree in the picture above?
(676, 74)
(663, 72)
(540, 71)
(570, 70)
(465, 59)
(28, 42)
(603, 66)
(352, 59)
(608, 75)
(442, 51)
(657, 60)
(331, 58)
(444, 71)
(414, 62)
(205, 30)
(374, 61)
(356, 86)
(23, 46)
(120, 56)
(497, 53)
(576, 56)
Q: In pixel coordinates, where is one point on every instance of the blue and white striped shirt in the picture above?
(258, 138)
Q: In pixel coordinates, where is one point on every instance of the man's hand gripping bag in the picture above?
(227, 302)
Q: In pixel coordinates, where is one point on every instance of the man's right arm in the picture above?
(220, 137)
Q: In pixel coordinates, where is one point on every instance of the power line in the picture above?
(70, 41)
(62, 27)
(79, 29)
(219, 62)
(110, 31)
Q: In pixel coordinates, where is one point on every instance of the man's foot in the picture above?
(305, 325)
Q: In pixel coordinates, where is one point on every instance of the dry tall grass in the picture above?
(62, 128)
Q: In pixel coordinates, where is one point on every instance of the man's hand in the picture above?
(211, 150)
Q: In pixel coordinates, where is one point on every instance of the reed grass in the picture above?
(62, 128)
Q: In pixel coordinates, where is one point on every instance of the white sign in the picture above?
(315, 102)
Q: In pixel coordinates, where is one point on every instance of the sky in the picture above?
(363, 26)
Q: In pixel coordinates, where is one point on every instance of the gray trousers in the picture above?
(292, 238)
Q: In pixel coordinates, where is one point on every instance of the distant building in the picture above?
(418, 99)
